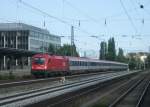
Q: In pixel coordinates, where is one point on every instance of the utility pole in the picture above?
(72, 35)
(4, 36)
(72, 40)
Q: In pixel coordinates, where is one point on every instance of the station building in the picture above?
(19, 41)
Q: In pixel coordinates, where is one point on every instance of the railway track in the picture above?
(20, 83)
(35, 96)
(145, 97)
(133, 97)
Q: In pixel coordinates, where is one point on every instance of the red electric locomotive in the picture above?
(45, 64)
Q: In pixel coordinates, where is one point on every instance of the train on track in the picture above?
(48, 65)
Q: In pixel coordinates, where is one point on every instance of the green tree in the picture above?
(148, 61)
(132, 63)
(111, 53)
(51, 49)
(120, 56)
(103, 50)
(67, 50)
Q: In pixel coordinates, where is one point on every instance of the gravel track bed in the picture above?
(5, 92)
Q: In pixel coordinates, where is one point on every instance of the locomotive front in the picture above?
(39, 65)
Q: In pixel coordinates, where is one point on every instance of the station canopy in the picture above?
(16, 52)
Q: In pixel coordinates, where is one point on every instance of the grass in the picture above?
(101, 103)
(7, 77)
(14, 77)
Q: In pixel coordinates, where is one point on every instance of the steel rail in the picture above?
(125, 93)
(143, 95)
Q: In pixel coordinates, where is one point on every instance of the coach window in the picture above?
(82, 63)
(89, 63)
(75, 63)
(92, 63)
(79, 63)
(86, 63)
(99, 64)
(70, 63)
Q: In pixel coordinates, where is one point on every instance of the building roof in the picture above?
(20, 26)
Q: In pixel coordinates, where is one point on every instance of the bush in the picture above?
(7, 77)
(11, 77)
(27, 76)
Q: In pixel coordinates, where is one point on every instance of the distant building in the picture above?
(19, 36)
(140, 55)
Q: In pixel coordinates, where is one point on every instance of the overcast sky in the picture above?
(122, 19)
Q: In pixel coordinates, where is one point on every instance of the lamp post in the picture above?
(3, 35)
(18, 34)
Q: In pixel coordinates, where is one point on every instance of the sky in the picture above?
(93, 20)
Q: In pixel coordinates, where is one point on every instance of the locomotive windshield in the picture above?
(39, 60)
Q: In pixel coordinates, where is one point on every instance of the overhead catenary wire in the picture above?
(129, 17)
(85, 14)
(106, 18)
(66, 22)
(52, 16)
(141, 17)
(91, 18)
